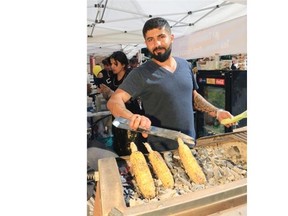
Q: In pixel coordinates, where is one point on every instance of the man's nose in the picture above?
(157, 43)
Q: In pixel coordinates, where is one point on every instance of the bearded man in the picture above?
(167, 88)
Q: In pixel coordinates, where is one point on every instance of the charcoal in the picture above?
(221, 164)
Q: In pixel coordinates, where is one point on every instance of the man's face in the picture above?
(159, 43)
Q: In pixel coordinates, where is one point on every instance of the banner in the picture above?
(226, 38)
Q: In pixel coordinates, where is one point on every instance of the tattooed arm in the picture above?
(204, 106)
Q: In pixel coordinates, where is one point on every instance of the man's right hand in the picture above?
(141, 121)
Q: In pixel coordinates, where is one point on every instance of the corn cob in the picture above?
(235, 118)
(190, 164)
(160, 168)
(142, 172)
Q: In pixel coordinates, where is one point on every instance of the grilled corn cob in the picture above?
(160, 168)
(235, 118)
(190, 164)
(142, 172)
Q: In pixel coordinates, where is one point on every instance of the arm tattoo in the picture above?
(204, 106)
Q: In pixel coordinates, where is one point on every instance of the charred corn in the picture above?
(160, 168)
(190, 164)
(142, 172)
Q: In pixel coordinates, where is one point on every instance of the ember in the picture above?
(221, 164)
(126, 179)
(223, 159)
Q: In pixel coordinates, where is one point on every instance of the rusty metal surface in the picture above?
(240, 136)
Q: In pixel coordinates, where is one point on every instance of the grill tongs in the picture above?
(123, 123)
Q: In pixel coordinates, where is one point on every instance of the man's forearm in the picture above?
(118, 108)
(203, 105)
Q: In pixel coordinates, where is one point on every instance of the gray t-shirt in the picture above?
(167, 97)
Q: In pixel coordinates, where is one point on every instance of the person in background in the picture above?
(234, 65)
(105, 75)
(89, 85)
(167, 87)
(133, 62)
(103, 126)
(119, 65)
(96, 70)
(122, 138)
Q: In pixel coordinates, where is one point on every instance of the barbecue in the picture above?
(223, 159)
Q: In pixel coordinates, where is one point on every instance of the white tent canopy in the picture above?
(117, 24)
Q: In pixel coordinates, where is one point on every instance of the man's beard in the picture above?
(162, 56)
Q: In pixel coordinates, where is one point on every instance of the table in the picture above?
(93, 94)
(90, 116)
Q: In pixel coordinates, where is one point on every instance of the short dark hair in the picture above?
(157, 22)
(106, 61)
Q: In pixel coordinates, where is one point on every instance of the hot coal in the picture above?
(221, 164)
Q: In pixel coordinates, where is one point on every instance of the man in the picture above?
(167, 87)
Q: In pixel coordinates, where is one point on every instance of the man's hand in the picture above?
(106, 91)
(137, 121)
(223, 114)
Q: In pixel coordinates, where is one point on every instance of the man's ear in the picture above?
(172, 38)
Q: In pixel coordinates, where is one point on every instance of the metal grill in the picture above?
(231, 196)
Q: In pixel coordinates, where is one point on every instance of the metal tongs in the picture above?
(123, 123)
